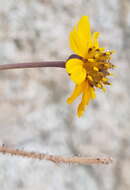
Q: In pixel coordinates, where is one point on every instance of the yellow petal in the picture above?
(77, 91)
(80, 110)
(93, 95)
(74, 42)
(87, 93)
(95, 39)
(77, 70)
(85, 100)
(80, 37)
(78, 75)
(84, 32)
(72, 63)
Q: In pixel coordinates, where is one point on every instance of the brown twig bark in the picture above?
(60, 64)
(55, 159)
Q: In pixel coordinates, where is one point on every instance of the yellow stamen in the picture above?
(90, 78)
(111, 74)
(99, 85)
(97, 55)
(104, 79)
(108, 53)
(95, 69)
(91, 60)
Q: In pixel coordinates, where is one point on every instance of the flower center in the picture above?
(97, 64)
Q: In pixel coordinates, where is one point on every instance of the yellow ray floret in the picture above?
(90, 67)
(76, 69)
(80, 37)
(77, 91)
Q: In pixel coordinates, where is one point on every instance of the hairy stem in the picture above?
(55, 159)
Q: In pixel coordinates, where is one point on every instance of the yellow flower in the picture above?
(88, 67)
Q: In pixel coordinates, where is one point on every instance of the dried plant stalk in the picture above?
(56, 159)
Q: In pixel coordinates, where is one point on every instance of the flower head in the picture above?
(89, 66)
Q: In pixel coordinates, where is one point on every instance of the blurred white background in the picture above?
(34, 115)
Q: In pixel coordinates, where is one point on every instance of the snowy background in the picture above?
(34, 115)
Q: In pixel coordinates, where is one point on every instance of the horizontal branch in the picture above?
(56, 159)
(33, 65)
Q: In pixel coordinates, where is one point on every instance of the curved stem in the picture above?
(60, 64)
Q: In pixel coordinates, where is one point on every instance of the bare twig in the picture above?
(33, 65)
(56, 159)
